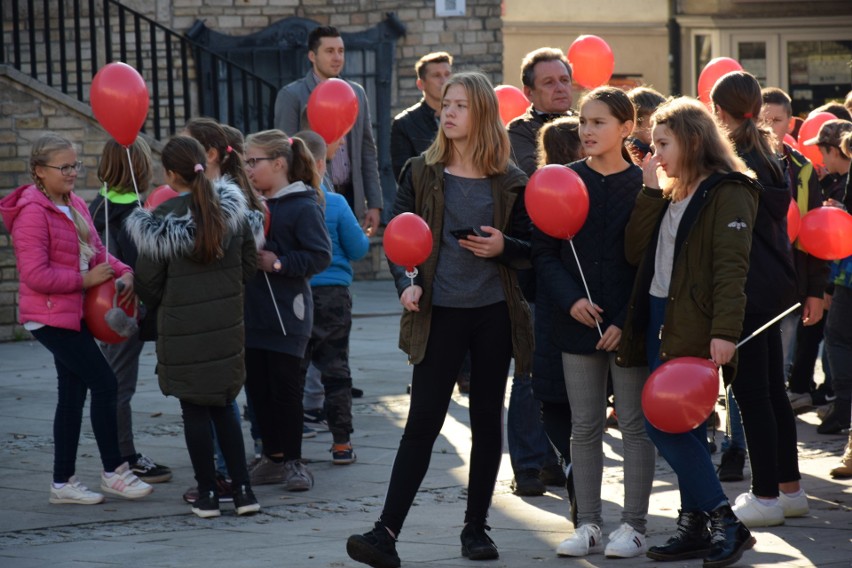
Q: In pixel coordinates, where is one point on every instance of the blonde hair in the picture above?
(488, 143)
(113, 170)
(704, 147)
(43, 150)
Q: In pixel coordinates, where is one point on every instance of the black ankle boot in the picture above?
(475, 544)
(376, 548)
(692, 539)
(729, 538)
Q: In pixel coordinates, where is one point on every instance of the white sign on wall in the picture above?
(444, 8)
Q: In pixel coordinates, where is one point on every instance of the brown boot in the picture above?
(844, 469)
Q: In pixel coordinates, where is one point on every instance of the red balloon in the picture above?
(97, 301)
(557, 201)
(119, 98)
(680, 394)
(712, 72)
(512, 102)
(159, 196)
(332, 109)
(794, 220)
(407, 240)
(790, 141)
(826, 233)
(810, 129)
(592, 62)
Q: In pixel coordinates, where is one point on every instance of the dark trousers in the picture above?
(838, 345)
(199, 443)
(768, 419)
(808, 339)
(328, 350)
(80, 367)
(556, 417)
(487, 333)
(273, 382)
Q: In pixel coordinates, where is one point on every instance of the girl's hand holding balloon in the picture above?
(410, 298)
(610, 339)
(722, 351)
(488, 246)
(586, 312)
(125, 289)
(97, 275)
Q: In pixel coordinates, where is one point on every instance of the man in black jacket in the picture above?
(414, 129)
(546, 75)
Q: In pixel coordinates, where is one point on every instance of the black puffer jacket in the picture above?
(200, 340)
(600, 247)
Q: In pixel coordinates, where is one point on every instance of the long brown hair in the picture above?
(488, 142)
(185, 157)
(559, 142)
(213, 135)
(113, 170)
(704, 147)
(738, 94)
(300, 162)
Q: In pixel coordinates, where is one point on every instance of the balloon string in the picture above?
(412, 274)
(106, 222)
(767, 324)
(274, 303)
(133, 175)
(586, 286)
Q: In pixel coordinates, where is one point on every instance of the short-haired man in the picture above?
(546, 76)
(354, 167)
(415, 128)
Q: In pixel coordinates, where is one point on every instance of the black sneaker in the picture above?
(207, 506)
(475, 544)
(376, 548)
(731, 467)
(527, 483)
(245, 503)
(145, 469)
(356, 392)
(223, 486)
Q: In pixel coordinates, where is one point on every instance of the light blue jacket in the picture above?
(348, 241)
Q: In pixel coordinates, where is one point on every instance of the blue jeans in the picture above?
(80, 367)
(529, 447)
(687, 453)
(221, 464)
(734, 432)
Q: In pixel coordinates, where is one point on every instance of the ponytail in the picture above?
(185, 157)
(304, 168)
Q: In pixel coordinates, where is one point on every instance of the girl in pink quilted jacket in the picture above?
(59, 256)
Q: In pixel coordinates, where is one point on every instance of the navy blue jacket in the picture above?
(600, 248)
(298, 236)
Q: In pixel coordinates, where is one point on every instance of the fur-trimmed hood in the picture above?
(169, 231)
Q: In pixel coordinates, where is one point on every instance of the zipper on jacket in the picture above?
(660, 335)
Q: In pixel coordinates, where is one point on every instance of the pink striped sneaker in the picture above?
(125, 484)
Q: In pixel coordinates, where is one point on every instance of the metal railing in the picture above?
(63, 44)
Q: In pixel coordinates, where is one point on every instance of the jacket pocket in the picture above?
(702, 299)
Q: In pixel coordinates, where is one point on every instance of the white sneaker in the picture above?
(626, 542)
(125, 484)
(794, 506)
(74, 492)
(586, 539)
(754, 513)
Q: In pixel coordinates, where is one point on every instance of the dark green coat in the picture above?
(422, 192)
(200, 343)
(707, 292)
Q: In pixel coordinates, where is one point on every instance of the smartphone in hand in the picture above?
(465, 233)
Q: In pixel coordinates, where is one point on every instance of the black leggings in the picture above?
(768, 420)
(486, 332)
(199, 442)
(556, 417)
(274, 384)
